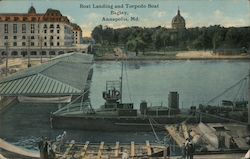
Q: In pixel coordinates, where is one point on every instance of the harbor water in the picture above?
(195, 81)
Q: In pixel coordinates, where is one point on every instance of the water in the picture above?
(196, 82)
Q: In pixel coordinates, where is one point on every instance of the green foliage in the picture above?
(159, 38)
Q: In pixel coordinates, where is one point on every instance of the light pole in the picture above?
(28, 51)
(41, 45)
(7, 57)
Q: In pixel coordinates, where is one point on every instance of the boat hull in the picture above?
(93, 123)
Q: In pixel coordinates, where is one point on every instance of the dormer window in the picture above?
(16, 18)
(25, 18)
(33, 19)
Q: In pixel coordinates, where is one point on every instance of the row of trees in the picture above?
(160, 38)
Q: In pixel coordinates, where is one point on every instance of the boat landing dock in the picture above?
(112, 150)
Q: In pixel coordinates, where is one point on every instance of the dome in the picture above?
(32, 10)
(53, 12)
(178, 22)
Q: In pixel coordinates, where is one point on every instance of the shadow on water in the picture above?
(24, 124)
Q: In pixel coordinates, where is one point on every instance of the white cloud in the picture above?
(159, 14)
(218, 13)
(93, 16)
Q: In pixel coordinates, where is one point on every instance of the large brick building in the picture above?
(37, 34)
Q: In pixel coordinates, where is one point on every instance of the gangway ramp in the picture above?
(18, 150)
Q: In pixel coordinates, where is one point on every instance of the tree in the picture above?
(136, 44)
(97, 34)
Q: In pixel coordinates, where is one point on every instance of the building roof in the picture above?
(51, 15)
(76, 27)
(178, 21)
(32, 10)
(52, 12)
(60, 76)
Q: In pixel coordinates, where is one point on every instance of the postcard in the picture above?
(124, 79)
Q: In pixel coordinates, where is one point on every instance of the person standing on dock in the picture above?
(61, 139)
(40, 146)
(184, 155)
(190, 150)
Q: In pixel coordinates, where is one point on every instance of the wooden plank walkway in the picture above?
(84, 150)
(67, 150)
(100, 150)
(110, 151)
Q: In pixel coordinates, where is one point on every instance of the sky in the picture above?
(197, 13)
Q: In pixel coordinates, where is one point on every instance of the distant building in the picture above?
(48, 33)
(77, 31)
(178, 22)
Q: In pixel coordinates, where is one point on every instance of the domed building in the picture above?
(32, 10)
(51, 32)
(178, 22)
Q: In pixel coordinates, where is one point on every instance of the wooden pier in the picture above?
(111, 150)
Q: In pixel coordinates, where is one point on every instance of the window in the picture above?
(32, 37)
(25, 18)
(23, 28)
(58, 37)
(58, 26)
(51, 26)
(5, 37)
(45, 26)
(45, 37)
(43, 52)
(14, 37)
(32, 28)
(60, 52)
(14, 28)
(33, 19)
(51, 31)
(51, 44)
(23, 37)
(45, 44)
(6, 29)
(58, 44)
(23, 44)
(14, 53)
(3, 53)
(52, 53)
(58, 31)
(51, 37)
(24, 53)
(45, 31)
(32, 44)
(7, 19)
(33, 53)
(14, 44)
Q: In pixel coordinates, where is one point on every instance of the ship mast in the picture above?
(121, 80)
(249, 99)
